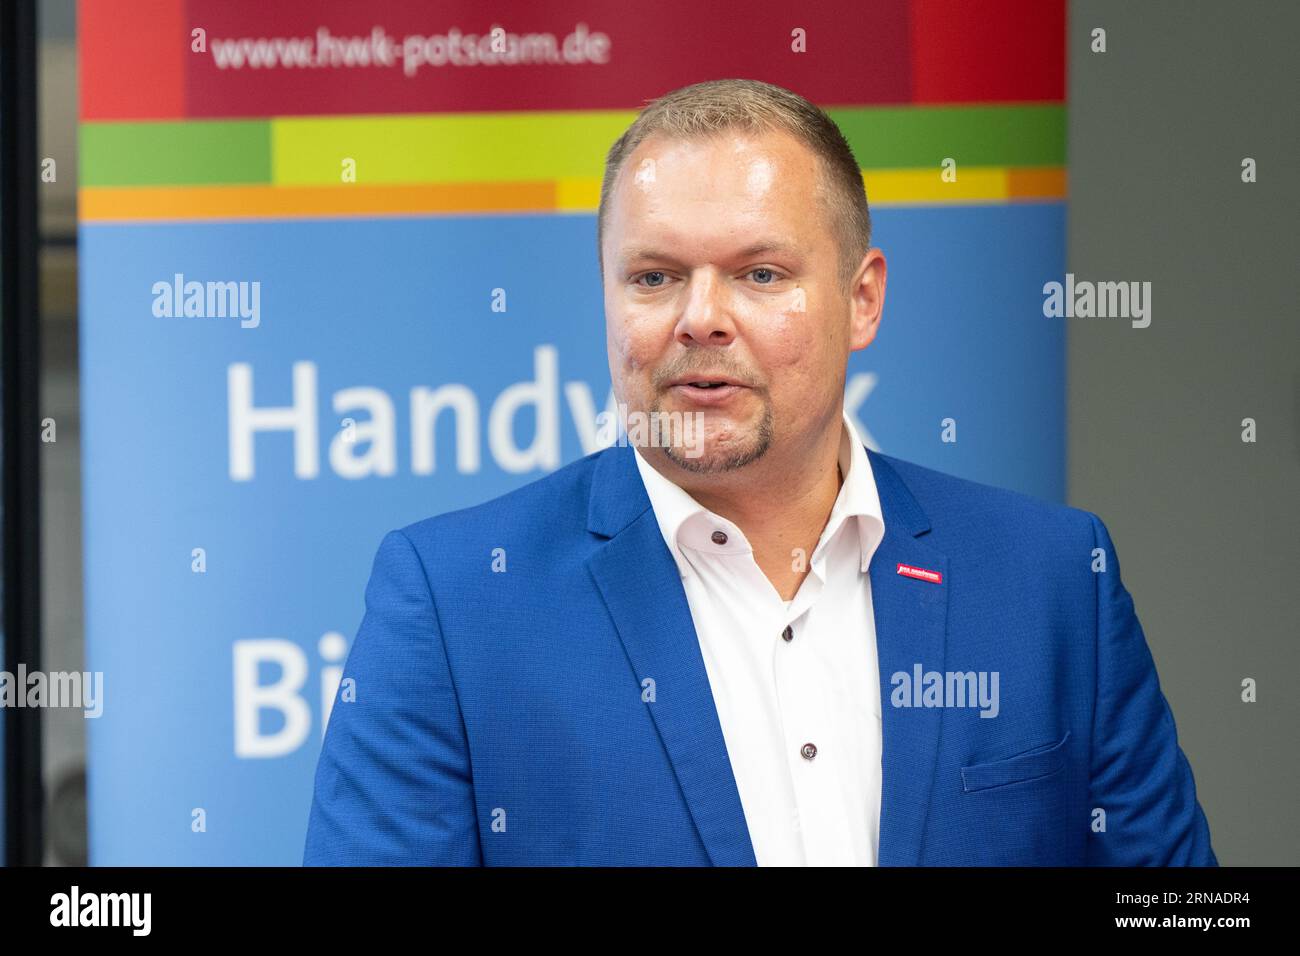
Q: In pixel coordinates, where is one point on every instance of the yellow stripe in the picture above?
(896, 187)
(972, 184)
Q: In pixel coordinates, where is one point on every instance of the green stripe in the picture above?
(496, 147)
(193, 152)
(922, 136)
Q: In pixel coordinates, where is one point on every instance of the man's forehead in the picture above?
(771, 184)
(754, 155)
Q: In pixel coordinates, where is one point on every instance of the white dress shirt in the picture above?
(803, 806)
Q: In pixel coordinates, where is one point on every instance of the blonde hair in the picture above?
(751, 106)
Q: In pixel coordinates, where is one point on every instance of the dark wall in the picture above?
(1207, 527)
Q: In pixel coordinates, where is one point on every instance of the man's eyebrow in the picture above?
(642, 252)
(768, 245)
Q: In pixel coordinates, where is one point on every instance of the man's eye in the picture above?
(760, 273)
(651, 275)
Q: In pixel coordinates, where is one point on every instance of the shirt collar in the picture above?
(687, 525)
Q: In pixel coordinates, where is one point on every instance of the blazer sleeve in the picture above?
(1139, 775)
(393, 783)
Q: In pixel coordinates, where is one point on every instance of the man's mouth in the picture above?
(707, 381)
(707, 391)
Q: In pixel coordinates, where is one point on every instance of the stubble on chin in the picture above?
(751, 447)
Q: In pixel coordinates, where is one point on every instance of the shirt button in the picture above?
(719, 537)
(809, 751)
(788, 633)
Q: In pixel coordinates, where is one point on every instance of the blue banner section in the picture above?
(241, 468)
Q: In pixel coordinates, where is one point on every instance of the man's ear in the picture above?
(867, 299)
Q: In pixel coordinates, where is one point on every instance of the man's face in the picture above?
(720, 265)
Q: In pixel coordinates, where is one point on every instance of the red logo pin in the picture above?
(921, 574)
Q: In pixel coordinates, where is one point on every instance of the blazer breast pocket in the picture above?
(1040, 762)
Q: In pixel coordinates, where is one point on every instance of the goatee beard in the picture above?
(739, 458)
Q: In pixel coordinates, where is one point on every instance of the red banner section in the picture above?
(990, 51)
(133, 59)
(170, 59)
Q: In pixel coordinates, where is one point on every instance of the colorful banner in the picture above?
(296, 220)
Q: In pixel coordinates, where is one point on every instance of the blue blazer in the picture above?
(498, 714)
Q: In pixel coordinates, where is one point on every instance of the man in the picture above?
(769, 644)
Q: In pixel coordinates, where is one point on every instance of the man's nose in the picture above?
(706, 315)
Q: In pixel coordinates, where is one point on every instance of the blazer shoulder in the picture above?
(544, 508)
(955, 504)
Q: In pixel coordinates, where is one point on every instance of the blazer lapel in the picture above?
(911, 623)
(643, 591)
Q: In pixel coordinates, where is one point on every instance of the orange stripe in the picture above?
(269, 202)
(1029, 182)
